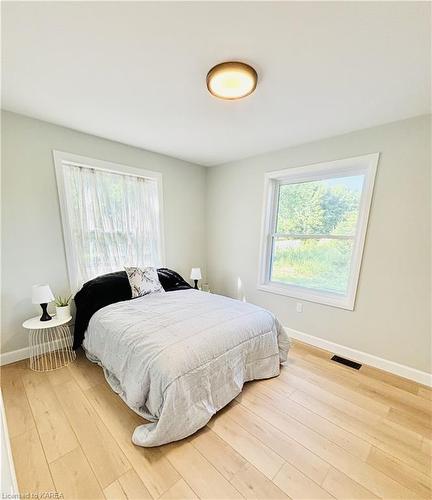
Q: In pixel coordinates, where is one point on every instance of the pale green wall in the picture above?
(392, 315)
(215, 215)
(32, 241)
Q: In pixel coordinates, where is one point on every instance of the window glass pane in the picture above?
(317, 263)
(328, 206)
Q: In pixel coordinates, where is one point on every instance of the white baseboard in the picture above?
(7, 358)
(363, 357)
(11, 357)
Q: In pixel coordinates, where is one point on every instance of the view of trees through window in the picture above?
(315, 230)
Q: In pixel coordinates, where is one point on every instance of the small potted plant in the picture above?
(62, 307)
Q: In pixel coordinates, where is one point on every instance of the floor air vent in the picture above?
(346, 362)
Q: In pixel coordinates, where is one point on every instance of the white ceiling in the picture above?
(135, 72)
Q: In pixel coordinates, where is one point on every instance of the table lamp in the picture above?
(42, 294)
(195, 275)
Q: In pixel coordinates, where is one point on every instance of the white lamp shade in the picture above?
(42, 294)
(195, 273)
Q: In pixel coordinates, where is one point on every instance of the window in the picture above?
(111, 216)
(314, 229)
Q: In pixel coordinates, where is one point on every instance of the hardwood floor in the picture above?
(319, 430)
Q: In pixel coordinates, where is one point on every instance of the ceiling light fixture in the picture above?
(231, 80)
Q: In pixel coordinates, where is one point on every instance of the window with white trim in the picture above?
(111, 216)
(314, 229)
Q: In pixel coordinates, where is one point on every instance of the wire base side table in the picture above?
(50, 344)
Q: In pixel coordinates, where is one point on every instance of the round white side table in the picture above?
(50, 343)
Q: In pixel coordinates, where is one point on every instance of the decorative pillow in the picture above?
(143, 280)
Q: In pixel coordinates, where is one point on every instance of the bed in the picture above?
(177, 358)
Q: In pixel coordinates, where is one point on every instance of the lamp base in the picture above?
(45, 316)
(196, 284)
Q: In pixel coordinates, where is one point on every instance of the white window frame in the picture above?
(62, 158)
(360, 165)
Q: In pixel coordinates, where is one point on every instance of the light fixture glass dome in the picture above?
(232, 80)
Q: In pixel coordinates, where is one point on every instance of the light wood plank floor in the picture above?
(319, 430)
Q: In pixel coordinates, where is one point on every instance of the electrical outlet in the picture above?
(299, 307)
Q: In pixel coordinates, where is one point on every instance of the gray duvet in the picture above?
(177, 358)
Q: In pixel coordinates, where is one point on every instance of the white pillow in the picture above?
(143, 280)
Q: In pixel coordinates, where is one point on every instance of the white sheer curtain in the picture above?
(113, 221)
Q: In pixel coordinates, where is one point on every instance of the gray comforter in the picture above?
(177, 358)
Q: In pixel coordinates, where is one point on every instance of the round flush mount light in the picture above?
(231, 80)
